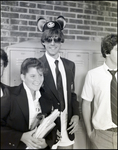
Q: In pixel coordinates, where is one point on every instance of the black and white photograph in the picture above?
(59, 75)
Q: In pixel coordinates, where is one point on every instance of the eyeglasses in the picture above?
(56, 40)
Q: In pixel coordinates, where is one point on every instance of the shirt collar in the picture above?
(51, 60)
(38, 94)
(107, 68)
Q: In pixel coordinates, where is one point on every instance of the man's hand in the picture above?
(74, 124)
(58, 136)
(32, 142)
(41, 143)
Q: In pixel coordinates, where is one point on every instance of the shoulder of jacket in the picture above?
(67, 60)
(15, 89)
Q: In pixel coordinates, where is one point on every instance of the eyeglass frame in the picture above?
(50, 39)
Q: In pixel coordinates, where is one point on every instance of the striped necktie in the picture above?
(59, 86)
(114, 97)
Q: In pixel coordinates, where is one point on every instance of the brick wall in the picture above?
(86, 20)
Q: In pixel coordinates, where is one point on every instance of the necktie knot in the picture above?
(56, 62)
(112, 72)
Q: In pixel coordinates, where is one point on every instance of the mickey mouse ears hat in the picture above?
(43, 24)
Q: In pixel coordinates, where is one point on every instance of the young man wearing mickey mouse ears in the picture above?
(67, 123)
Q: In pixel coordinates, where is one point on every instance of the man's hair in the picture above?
(52, 32)
(4, 57)
(108, 43)
(31, 62)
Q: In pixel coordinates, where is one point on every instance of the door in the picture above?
(81, 60)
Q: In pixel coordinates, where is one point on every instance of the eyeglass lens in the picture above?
(56, 40)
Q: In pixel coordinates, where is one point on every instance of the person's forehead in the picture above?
(54, 36)
(52, 33)
(34, 70)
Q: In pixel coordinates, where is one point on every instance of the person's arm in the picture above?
(74, 122)
(86, 111)
(13, 136)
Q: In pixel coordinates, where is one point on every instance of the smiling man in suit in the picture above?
(64, 98)
(21, 108)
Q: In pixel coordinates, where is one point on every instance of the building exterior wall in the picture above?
(86, 20)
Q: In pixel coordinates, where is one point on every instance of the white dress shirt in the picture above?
(34, 106)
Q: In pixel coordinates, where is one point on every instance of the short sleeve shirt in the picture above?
(97, 88)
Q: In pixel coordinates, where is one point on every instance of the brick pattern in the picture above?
(86, 20)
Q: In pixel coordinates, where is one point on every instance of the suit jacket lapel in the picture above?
(23, 102)
(49, 81)
(68, 76)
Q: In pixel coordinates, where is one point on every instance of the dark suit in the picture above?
(49, 86)
(15, 117)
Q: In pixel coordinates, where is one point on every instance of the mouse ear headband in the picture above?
(43, 24)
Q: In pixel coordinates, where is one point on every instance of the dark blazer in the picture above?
(49, 87)
(15, 118)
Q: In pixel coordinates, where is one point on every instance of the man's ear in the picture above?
(22, 77)
(40, 23)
